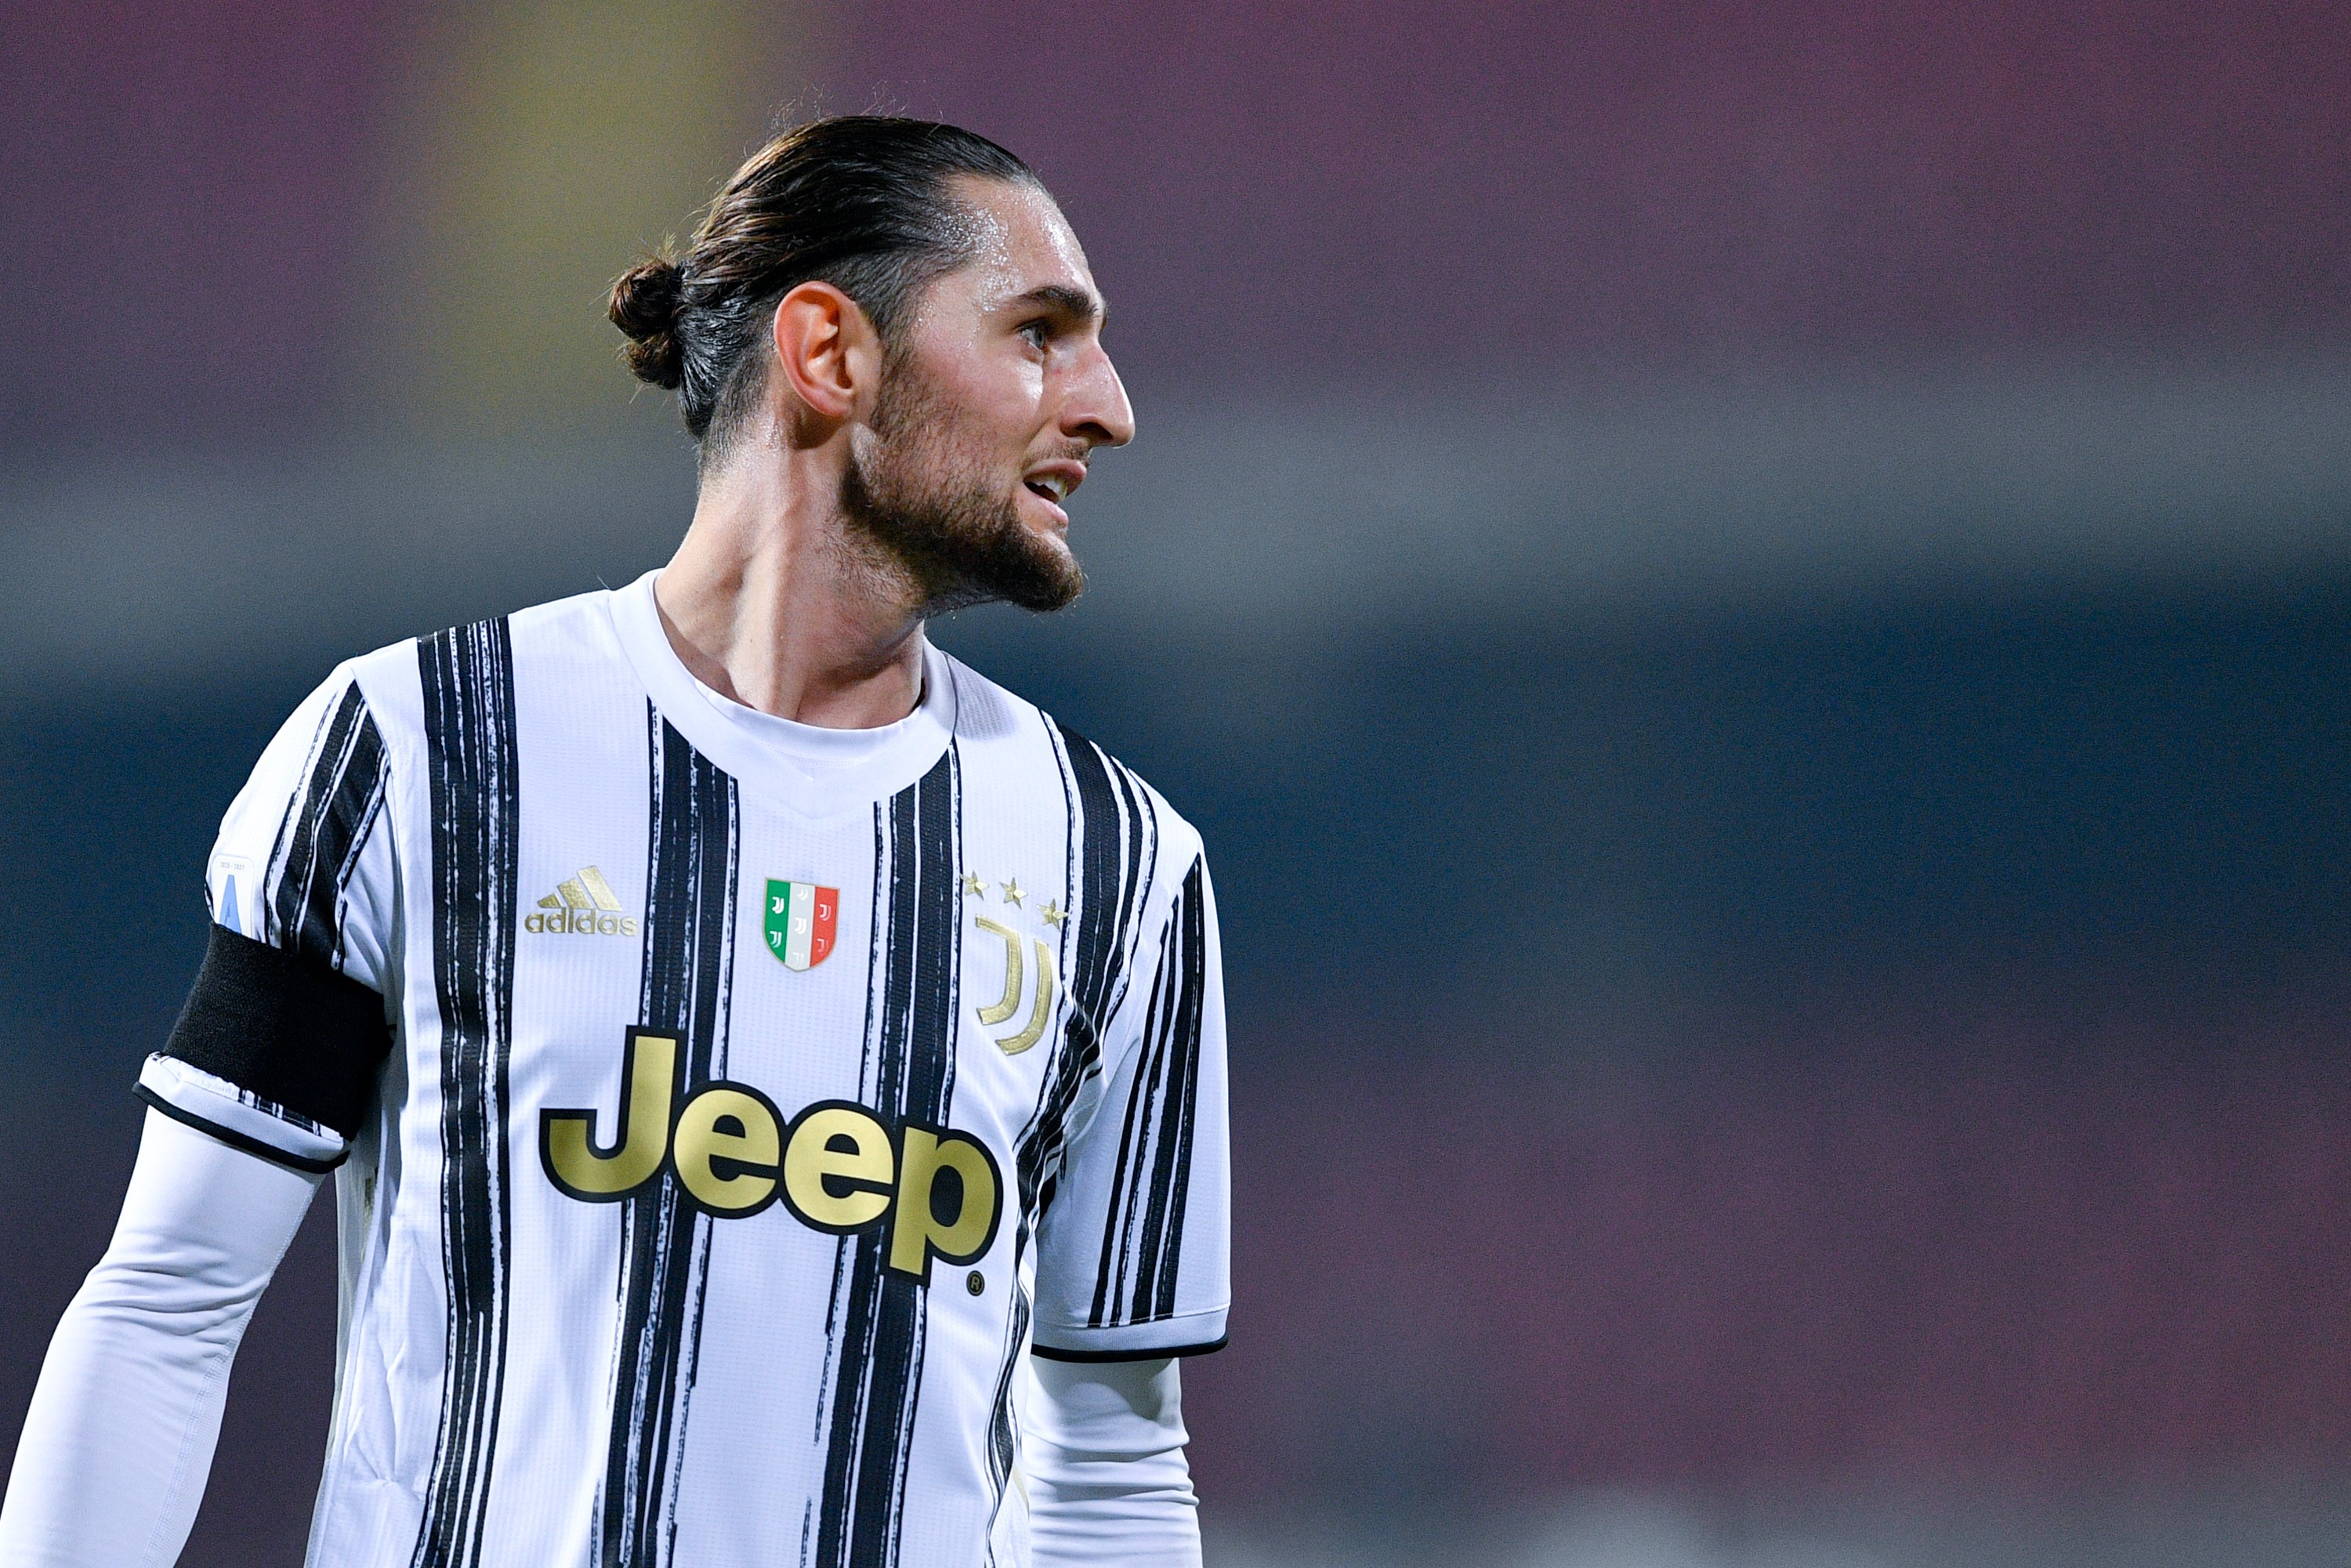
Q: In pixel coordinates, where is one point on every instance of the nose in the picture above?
(1097, 410)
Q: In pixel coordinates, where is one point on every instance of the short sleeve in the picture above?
(286, 1026)
(1133, 1252)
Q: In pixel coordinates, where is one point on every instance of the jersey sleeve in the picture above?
(277, 1048)
(1132, 1255)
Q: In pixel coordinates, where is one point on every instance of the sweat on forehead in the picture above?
(1021, 250)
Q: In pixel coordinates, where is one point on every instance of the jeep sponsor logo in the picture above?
(836, 1167)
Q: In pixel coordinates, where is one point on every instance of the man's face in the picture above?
(994, 398)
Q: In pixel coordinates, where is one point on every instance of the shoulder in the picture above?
(397, 685)
(991, 719)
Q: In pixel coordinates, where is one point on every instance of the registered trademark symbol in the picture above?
(976, 1282)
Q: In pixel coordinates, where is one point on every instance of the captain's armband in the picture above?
(274, 1052)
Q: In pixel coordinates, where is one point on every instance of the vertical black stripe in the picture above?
(1142, 843)
(689, 944)
(1171, 1176)
(467, 677)
(1105, 832)
(1109, 876)
(1001, 1438)
(1110, 1277)
(837, 1323)
(878, 1356)
(320, 841)
(1142, 1234)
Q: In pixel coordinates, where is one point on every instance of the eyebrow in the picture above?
(1082, 304)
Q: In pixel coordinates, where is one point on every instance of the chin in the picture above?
(1041, 517)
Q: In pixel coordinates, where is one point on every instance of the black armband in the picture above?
(286, 1030)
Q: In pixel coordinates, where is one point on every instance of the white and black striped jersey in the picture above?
(724, 1107)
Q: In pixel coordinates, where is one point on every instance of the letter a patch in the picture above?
(800, 917)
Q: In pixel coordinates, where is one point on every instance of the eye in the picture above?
(1035, 334)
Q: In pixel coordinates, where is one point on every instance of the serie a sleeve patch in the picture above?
(273, 1049)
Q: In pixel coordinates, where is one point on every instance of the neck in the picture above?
(771, 601)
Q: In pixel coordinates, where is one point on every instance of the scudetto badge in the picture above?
(801, 922)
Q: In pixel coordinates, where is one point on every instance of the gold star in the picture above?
(1012, 894)
(972, 885)
(1054, 913)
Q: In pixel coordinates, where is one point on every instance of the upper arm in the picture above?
(1132, 1251)
(277, 1048)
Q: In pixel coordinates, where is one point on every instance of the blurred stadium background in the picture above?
(1754, 602)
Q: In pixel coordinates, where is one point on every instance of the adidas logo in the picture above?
(583, 905)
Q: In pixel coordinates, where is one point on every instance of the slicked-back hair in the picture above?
(863, 201)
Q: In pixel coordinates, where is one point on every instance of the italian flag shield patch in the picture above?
(800, 918)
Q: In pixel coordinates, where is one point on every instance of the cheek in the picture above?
(988, 407)
(1012, 394)
(1001, 385)
(1004, 411)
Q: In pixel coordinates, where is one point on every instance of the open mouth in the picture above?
(1054, 489)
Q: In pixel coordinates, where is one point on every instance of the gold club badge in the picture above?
(1022, 978)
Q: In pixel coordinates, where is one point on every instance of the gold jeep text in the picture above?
(837, 1167)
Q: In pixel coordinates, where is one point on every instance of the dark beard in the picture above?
(925, 503)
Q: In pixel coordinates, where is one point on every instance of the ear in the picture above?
(827, 351)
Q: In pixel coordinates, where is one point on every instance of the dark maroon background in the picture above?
(1372, 191)
(1292, 193)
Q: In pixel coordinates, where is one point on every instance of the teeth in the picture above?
(1055, 486)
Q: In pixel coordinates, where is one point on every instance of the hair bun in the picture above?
(645, 301)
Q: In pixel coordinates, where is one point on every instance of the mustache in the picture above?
(1078, 451)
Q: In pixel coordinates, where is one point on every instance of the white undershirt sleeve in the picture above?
(120, 1436)
(1103, 1453)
